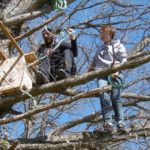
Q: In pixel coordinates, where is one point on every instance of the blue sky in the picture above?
(130, 39)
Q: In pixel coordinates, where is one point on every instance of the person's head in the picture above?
(48, 36)
(107, 33)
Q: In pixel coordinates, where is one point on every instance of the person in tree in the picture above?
(56, 58)
(111, 53)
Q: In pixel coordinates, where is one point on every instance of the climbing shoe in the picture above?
(121, 128)
(62, 74)
(41, 78)
(108, 127)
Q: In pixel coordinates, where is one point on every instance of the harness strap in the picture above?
(60, 4)
(116, 83)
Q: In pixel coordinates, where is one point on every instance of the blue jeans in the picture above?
(110, 101)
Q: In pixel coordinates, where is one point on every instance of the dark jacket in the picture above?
(42, 51)
(56, 59)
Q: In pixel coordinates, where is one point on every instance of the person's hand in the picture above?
(49, 51)
(71, 32)
(115, 75)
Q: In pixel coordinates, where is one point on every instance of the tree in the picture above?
(67, 114)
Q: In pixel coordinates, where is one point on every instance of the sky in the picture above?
(86, 106)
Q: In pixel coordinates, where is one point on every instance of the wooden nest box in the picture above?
(14, 73)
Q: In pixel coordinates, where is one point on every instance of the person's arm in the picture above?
(74, 47)
(73, 39)
(123, 59)
(123, 54)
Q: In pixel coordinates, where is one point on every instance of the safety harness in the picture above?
(116, 82)
(59, 4)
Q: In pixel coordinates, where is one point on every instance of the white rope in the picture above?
(58, 44)
(61, 4)
(25, 92)
(45, 27)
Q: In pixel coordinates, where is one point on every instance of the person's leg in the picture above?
(68, 61)
(68, 58)
(55, 64)
(44, 67)
(117, 106)
(42, 74)
(105, 103)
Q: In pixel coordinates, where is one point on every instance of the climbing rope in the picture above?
(117, 82)
(34, 102)
(29, 95)
(64, 36)
(4, 140)
(60, 4)
(54, 48)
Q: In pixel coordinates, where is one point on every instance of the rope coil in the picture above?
(117, 82)
(61, 4)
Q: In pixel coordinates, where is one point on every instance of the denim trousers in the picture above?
(110, 101)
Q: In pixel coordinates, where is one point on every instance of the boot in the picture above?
(62, 74)
(108, 127)
(41, 78)
(121, 128)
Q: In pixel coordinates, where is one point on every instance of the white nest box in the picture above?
(14, 73)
